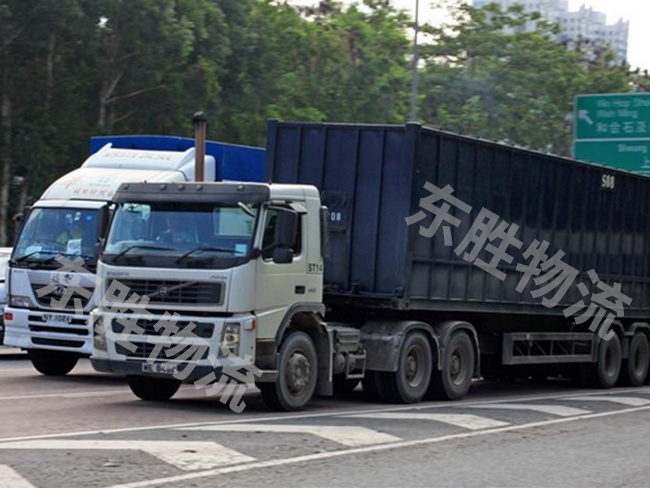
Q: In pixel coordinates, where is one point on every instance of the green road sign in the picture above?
(630, 155)
(614, 130)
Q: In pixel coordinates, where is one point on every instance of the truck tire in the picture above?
(411, 381)
(297, 375)
(153, 389)
(52, 363)
(605, 372)
(458, 362)
(635, 367)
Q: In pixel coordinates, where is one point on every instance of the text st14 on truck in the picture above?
(321, 282)
(71, 218)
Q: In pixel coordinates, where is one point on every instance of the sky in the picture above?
(636, 11)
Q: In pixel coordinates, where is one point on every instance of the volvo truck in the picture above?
(341, 270)
(70, 220)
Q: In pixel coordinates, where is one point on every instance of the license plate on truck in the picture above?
(159, 368)
(60, 318)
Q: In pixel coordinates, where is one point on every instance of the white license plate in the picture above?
(57, 317)
(159, 368)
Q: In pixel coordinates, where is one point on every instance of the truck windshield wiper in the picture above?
(206, 249)
(146, 248)
(23, 258)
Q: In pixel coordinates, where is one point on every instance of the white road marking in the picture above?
(368, 449)
(80, 394)
(467, 421)
(188, 456)
(10, 479)
(247, 419)
(629, 401)
(348, 436)
(559, 410)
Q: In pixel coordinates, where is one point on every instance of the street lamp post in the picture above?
(414, 77)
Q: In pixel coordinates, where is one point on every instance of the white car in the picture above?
(5, 254)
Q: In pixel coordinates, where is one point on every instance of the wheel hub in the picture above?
(298, 372)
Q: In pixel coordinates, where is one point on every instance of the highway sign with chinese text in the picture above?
(614, 130)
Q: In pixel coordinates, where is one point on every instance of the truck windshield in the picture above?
(179, 234)
(51, 231)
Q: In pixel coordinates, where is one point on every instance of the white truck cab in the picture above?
(70, 220)
(246, 259)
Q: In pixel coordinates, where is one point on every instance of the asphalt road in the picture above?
(88, 430)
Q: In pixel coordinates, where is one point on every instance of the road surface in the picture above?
(88, 430)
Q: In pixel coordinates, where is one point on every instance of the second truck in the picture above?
(319, 280)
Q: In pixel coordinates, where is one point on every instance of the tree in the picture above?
(515, 87)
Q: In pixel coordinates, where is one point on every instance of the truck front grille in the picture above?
(203, 330)
(46, 300)
(145, 349)
(167, 291)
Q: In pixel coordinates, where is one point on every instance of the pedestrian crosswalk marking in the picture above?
(629, 401)
(559, 410)
(10, 479)
(351, 436)
(467, 421)
(185, 455)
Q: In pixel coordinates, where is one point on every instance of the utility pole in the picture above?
(414, 74)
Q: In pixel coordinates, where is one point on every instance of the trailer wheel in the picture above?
(297, 375)
(635, 367)
(52, 363)
(411, 381)
(153, 389)
(605, 372)
(455, 379)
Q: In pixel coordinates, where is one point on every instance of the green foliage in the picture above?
(70, 69)
(512, 86)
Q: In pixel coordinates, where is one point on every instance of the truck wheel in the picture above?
(343, 387)
(52, 363)
(635, 367)
(297, 375)
(455, 379)
(605, 372)
(411, 381)
(153, 389)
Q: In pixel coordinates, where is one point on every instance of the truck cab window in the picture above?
(269, 235)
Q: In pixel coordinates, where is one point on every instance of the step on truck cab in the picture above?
(71, 218)
(342, 269)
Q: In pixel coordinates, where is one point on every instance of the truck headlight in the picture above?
(19, 302)
(99, 334)
(230, 339)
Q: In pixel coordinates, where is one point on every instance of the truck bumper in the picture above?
(134, 368)
(35, 329)
(111, 356)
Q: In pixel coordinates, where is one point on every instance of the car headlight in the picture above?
(230, 339)
(20, 302)
(99, 333)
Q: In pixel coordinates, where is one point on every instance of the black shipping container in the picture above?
(372, 177)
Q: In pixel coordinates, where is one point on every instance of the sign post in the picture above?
(614, 130)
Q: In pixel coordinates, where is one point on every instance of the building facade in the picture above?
(584, 24)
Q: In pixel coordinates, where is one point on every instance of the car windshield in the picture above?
(185, 231)
(52, 231)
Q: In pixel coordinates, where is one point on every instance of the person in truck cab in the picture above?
(178, 231)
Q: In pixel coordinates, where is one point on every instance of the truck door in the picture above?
(279, 285)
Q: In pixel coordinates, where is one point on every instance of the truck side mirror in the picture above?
(19, 218)
(286, 227)
(282, 255)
